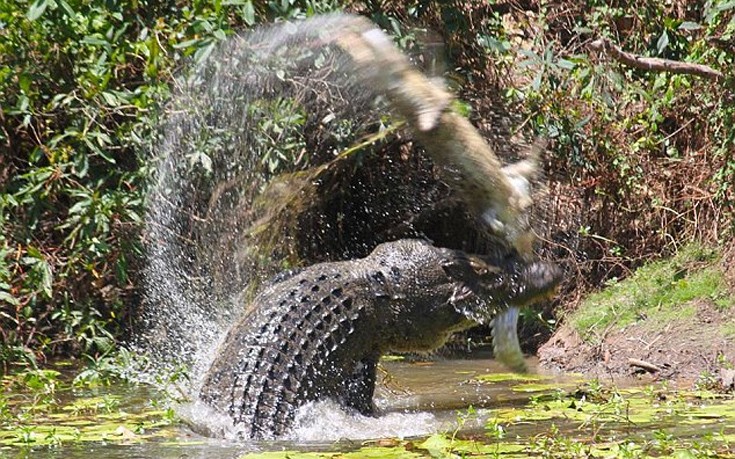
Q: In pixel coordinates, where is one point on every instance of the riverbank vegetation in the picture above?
(657, 292)
(640, 161)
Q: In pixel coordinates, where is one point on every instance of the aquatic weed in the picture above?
(555, 445)
(25, 434)
(463, 416)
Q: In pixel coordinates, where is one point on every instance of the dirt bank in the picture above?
(685, 350)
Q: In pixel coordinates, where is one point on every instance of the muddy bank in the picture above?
(688, 349)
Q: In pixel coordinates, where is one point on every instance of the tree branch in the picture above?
(654, 63)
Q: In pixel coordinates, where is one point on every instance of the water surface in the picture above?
(440, 408)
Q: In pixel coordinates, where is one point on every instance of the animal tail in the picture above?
(506, 347)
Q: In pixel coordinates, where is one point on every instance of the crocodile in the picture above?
(319, 332)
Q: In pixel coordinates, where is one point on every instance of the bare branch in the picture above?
(654, 63)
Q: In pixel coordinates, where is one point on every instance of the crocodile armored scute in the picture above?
(319, 332)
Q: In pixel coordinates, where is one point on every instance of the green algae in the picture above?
(527, 382)
(403, 450)
(120, 427)
(435, 446)
(439, 445)
(511, 377)
(545, 418)
(595, 421)
(534, 387)
(44, 408)
(588, 421)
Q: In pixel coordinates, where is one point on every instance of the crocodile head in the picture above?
(432, 292)
(485, 286)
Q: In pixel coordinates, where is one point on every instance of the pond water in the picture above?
(443, 408)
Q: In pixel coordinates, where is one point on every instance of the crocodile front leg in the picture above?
(358, 389)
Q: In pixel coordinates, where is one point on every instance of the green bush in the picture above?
(649, 152)
(80, 86)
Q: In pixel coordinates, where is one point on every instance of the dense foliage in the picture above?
(650, 153)
(80, 83)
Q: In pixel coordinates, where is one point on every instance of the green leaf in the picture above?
(8, 298)
(582, 30)
(187, 43)
(725, 6)
(110, 99)
(36, 9)
(437, 445)
(24, 81)
(67, 8)
(689, 25)
(248, 13)
(204, 51)
(48, 278)
(34, 252)
(566, 64)
(663, 42)
(96, 40)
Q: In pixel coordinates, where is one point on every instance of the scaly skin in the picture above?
(318, 333)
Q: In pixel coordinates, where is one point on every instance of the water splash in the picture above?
(326, 421)
(264, 104)
(319, 422)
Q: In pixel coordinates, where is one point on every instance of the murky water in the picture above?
(416, 399)
(471, 402)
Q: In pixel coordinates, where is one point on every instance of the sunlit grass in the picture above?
(657, 292)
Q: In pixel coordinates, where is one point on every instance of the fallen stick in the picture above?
(649, 367)
(655, 63)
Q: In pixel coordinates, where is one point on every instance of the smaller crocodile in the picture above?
(319, 332)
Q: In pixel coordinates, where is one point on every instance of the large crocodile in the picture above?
(318, 333)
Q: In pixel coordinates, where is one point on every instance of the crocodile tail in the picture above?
(506, 347)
